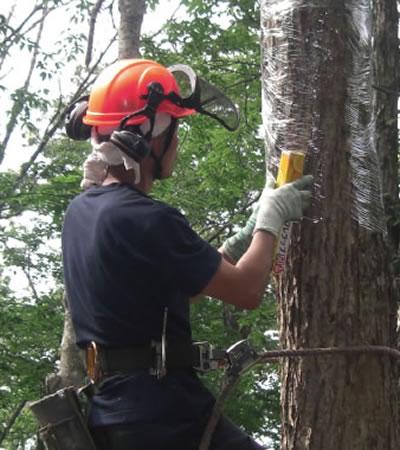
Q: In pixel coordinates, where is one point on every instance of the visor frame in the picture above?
(193, 101)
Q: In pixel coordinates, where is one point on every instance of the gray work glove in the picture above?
(283, 204)
(237, 245)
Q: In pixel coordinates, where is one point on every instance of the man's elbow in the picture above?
(251, 300)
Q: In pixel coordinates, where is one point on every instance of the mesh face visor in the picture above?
(205, 98)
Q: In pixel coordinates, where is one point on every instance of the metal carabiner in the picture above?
(94, 369)
(161, 351)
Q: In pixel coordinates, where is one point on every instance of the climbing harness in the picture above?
(157, 357)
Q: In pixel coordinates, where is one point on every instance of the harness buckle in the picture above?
(240, 357)
(209, 359)
(94, 369)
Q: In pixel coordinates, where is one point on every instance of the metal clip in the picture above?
(208, 358)
(94, 369)
(240, 357)
(160, 369)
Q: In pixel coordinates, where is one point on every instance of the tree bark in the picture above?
(132, 12)
(386, 93)
(72, 369)
(337, 289)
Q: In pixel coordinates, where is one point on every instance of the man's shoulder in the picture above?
(123, 203)
(166, 212)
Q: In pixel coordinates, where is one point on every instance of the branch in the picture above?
(58, 119)
(19, 28)
(217, 233)
(160, 30)
(55, 122)
(4, 52)
(19, 103)
(7, 42)
(93, 17)
(31, 284)
(110, 10)
(11, 421)
(249, 17)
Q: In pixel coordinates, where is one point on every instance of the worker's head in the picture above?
(134, 105)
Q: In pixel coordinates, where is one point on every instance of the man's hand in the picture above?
(283, 204)
(237, 245)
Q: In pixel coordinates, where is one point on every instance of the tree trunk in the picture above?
(337, 289)
(132, 12)
(386, 93)
(72, 369)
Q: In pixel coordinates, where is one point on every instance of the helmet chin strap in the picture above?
(158, 159)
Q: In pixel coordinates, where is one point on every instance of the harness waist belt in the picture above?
(125, 359)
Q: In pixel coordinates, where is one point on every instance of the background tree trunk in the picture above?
(337, 289)
(72, 371)
(132, 12)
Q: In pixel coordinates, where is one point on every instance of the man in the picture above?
(132, 264)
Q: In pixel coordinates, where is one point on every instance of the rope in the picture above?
(217, 411)
(379, 349)
(271, 356)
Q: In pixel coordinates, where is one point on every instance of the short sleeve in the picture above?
(188, 261)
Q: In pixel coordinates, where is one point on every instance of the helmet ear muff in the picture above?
(132, 144)
(74, 126)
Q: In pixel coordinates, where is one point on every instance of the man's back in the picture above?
(126, 257)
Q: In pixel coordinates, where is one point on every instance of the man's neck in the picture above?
(128, 177)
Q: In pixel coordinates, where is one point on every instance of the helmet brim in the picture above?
(114, 119)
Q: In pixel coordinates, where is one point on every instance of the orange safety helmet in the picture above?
(122, 88)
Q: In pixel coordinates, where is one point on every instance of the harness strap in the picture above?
(124, 359)
(158, 159)
(105, 361)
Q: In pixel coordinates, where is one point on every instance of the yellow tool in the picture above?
(290, 168)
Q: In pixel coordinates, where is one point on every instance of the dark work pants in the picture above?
(125, 437)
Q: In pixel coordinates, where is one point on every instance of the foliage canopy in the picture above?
(217, 180)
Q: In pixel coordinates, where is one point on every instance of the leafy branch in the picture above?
(11, 421)
(56, 121)
(19, 102)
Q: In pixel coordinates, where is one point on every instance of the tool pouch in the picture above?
(62, 425)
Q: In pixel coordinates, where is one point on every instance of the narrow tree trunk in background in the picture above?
(386, 93)
(132, 12)
(72, 369)
(337, 289)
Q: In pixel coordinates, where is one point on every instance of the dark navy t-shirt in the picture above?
(127, 257)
